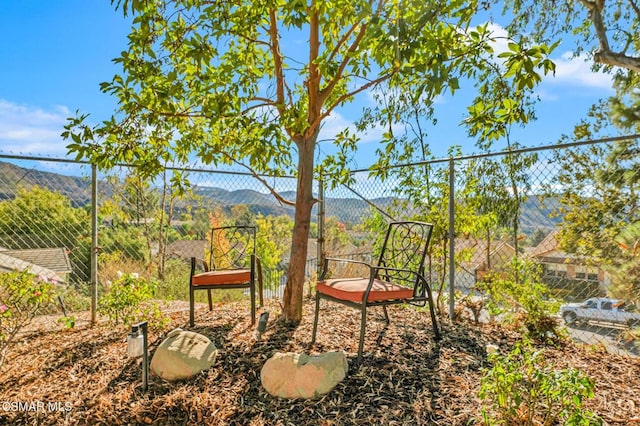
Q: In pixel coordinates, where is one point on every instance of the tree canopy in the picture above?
(251, 83)
(606, 31)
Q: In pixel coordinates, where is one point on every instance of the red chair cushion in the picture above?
(353, 289)
(235, 276)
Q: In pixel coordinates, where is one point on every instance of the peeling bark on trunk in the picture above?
(293, 292)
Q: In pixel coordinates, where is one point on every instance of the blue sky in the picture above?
(56, 53)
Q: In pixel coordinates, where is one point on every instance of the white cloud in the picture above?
(570, 71)
(500, 36)
(27, 129)
(577, 72)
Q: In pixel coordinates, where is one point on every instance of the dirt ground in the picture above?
(57, 376)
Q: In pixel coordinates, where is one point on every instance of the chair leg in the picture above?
(260, 283)
(210, 300)
(191, 315)
(315, 319)
(363, 325)
(252, 290)
(386, 314)
(436, 331)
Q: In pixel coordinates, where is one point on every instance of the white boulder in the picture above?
(182, 355)
(291, 375)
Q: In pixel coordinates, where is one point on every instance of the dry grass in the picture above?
(408, 379)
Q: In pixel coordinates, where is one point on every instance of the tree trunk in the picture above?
(293, 291)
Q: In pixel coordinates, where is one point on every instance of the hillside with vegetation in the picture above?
(534, 212)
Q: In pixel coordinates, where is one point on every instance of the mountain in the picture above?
(258, 203)
(13, 177)
(535, 214)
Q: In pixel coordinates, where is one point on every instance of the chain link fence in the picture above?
(563, 221)
(144, 227)
(560, 223)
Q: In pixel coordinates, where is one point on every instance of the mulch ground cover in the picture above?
(55, 376)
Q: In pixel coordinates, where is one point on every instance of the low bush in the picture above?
(127, 300)
(523, 389)
(519, 296)
(22, 297)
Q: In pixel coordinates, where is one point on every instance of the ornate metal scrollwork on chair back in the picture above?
(231, 247)
(405, 248)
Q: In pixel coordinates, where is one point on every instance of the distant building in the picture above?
(50, 263)
(186, 249)
(479, 257)
(561, 268)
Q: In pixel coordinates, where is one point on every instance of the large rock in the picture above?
(291, 375)
(183, 354)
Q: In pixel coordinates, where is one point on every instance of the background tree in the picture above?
(144, 210)
(600, 182)
(606, 31)
(40, 218)
(200, 223)
(272, 242)
(242, 215)
(218, 80)
(600, 201)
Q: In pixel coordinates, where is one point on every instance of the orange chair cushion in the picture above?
(353, 289)
(235, 276)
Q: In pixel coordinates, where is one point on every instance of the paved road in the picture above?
(592, 334)
(610, 337)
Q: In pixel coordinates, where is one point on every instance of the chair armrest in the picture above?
(417, 291)
(197, 261)
(388, 268)
(325, 268)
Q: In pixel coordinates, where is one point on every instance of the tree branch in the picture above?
(341, 42)
(324, 93)
(277, 60)
(635, 7)
(313, 82)
(604, 55)
(264, 102)
(352, 93)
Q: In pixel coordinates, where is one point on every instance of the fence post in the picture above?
(320, 246)
(452, 245)
(94, 243)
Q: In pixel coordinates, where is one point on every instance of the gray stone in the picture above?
(291, 375)
(182, 355)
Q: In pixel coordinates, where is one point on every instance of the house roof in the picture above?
(312, 250)
(549, 251)
(187, 249)
(54, 259)
(9, 263)
(478, 251)
(547, 245)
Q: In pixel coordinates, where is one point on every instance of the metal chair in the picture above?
(232, 264)
(398, 277)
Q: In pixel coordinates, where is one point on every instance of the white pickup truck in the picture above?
(601, 309)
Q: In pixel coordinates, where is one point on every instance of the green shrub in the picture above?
(521, 388)
(128, 300)
(175, 284)
(22, 297)
(519, 295)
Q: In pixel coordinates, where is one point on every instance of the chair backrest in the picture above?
(231, 247)
(405, 247)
